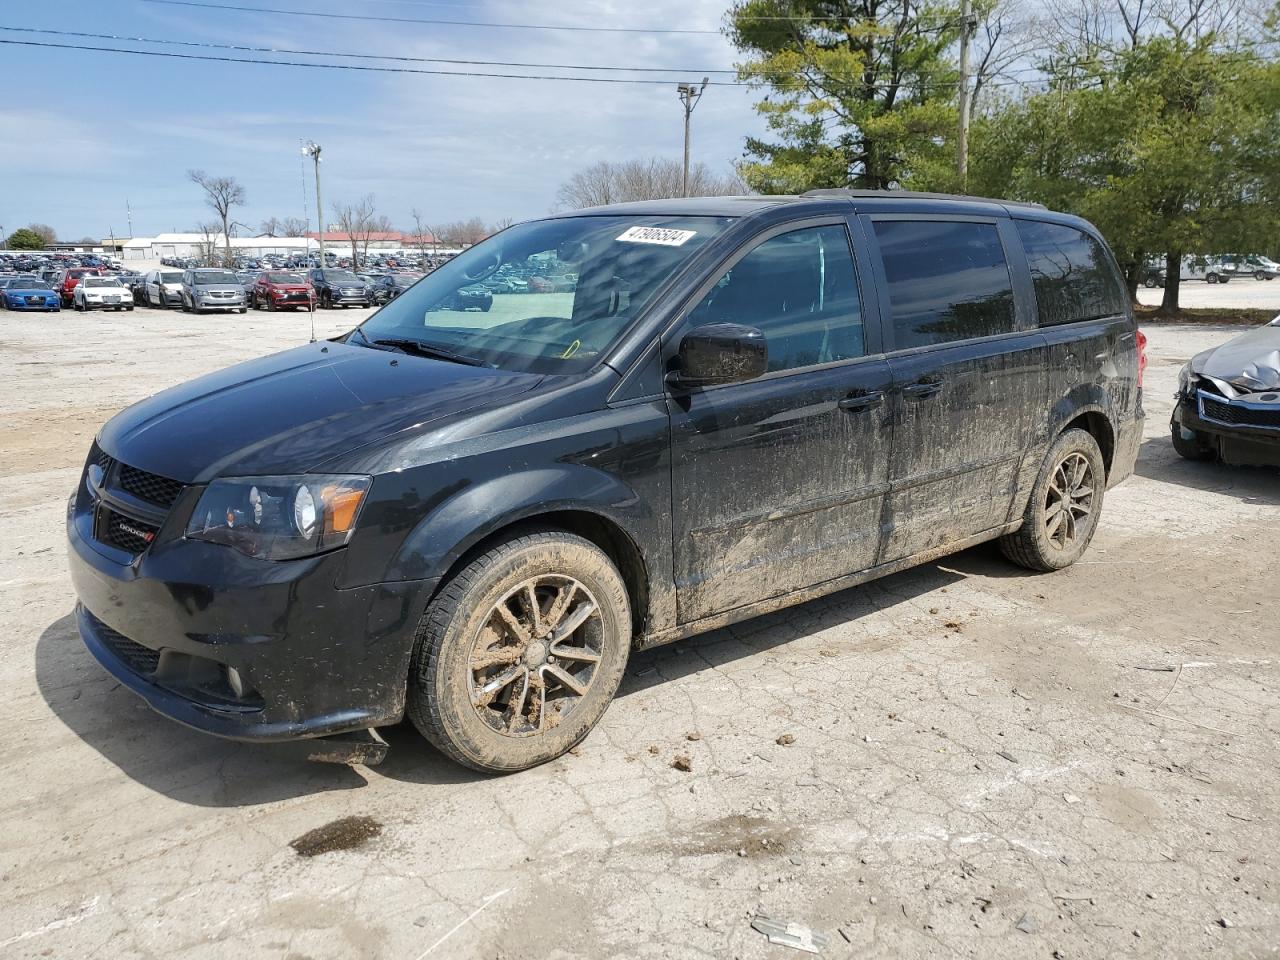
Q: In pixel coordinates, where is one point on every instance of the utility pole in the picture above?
(962, 147)
(312, 149)
(689, 95)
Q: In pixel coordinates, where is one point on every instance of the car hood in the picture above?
(291, 411)
(1249, 362)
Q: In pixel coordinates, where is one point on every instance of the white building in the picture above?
(183, 245)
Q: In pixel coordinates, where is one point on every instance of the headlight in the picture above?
(279, 518)
(1184, 379)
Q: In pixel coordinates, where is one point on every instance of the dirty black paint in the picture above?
(716, 503)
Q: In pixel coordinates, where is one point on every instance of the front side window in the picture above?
(1072, 274)
(798, 288)
(548, 296)
(948, 280)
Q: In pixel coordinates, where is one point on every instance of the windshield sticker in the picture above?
(659, 235)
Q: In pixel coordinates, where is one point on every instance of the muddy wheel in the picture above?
(521, 652)
(1192, 449)
(1062, 513)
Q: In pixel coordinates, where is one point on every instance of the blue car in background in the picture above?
(28, 293)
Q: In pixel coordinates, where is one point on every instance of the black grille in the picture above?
(135, 656)
(125, 532)
(102, 459)
(1239, 415)
(149, 486)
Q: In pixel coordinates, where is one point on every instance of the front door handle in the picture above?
(862, 401)
(922, 389)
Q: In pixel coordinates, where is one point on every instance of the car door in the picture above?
(969, 373)
(778, 482)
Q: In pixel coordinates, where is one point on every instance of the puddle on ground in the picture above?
(344, 834)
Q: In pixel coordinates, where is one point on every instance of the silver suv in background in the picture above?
(212, 288)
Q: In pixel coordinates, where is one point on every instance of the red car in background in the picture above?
(70, 279)
(280, 291)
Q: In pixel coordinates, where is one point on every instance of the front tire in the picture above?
(1192, 449)
(520, 653)
(1062, 512)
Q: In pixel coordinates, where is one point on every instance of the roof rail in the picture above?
(912, 195)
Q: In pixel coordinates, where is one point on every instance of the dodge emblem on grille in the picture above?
(130, 528)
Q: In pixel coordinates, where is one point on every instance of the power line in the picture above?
(430, 20)
(338, 66)
(285, 51)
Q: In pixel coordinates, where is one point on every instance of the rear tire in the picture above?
(1064, 506)
(533, 717)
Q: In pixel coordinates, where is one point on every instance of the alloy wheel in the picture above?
(1069, 501)
(536, 655)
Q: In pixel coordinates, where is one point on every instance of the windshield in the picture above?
(341, 276)
(99, 282)
(548, 296)
(215, 276)
(28, 283)
(283, 278)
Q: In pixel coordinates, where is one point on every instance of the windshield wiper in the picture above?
(422, 349)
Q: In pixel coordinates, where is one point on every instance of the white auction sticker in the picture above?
(660, 235)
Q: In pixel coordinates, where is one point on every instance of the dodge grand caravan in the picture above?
(471, 518)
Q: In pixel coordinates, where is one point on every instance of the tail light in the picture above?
(1142, 357)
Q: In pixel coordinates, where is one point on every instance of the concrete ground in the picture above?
(1242, 293)
(961, 760)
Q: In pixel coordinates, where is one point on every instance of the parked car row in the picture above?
(1219, 269)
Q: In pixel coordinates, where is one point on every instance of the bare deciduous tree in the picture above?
(464, 233)
(656, 178)
(207, 248)
(46, 233)
(270, 227)
(221, 194)
(423, 235)
(292, 227)
(359, 221)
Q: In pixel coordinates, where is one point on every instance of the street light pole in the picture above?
(689, 95)
(312, 149)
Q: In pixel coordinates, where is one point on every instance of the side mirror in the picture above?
(720, 353)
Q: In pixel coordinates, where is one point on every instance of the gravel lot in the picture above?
(985, 762)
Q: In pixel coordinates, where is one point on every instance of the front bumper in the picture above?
(232, 304)
(52, 303)
(1235, 444)
(346, 299)
(315, 659)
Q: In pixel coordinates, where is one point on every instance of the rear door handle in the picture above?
(862, 401)
(922, 389)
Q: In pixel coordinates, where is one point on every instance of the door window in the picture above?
(948, 280)
(1073, 277)
(799, 288)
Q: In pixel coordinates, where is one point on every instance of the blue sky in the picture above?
(86, 130)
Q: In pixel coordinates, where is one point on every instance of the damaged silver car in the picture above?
(1228, 401)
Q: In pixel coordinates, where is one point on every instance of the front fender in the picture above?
(475, 512)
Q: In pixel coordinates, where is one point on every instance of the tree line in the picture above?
(1158, 120)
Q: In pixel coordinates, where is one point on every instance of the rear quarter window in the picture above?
(1072, 274)
(947, 280)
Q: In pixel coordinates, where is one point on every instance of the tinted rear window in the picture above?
(1072, 274)
(948, 280)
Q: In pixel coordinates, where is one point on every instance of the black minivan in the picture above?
(691, 412)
